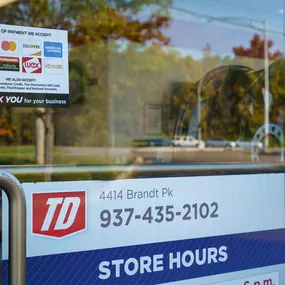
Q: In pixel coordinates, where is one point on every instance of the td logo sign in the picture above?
(58, 214)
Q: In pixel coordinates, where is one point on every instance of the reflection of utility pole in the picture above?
(199, 109)
(111, 128)
(40, 136)
(49, 143)
(111, 122)
(45, 139)
(266, 87)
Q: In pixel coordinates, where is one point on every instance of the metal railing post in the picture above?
(17, 228)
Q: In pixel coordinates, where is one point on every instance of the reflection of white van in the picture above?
(247, 144)
(188, 141)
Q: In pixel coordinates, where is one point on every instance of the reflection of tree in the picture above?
(277, 89)
(227, 101)
(232, 95)
(93, 20)
(233, 104)
(8, 127)
(183, 100)
(256, 49)
(276, 80)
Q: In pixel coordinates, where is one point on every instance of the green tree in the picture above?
(276, 79)
(93, 20)
(90, 23)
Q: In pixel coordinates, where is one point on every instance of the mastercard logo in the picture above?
(8, 46)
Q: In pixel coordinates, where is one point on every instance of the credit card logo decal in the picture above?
(53, 49)
(9, 63)
(32, 48)
(9, 46)
(32, 65)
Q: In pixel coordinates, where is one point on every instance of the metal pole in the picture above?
(17, 227)
(40, 136)
(111, 127)
(199, 109)
(266, 87)
(49, 143)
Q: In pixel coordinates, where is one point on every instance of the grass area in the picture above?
(25, 155)
(17, 150)
(24, 178)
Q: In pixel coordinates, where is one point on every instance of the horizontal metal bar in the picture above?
(139, 168)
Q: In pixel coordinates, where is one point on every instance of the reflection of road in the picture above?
(174, 154)
(95, 151)
(207, 155)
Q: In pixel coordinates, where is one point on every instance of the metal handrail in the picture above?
(17, 228)
(18, 170)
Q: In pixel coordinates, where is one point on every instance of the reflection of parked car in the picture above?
(219, 142)
(247, 143)
(187, 141)
(160, 142)
(151, 142)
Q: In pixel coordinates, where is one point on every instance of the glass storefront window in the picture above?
(164, 82)
(163, 89)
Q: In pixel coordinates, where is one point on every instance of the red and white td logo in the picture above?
(32, 65)
(59, 214)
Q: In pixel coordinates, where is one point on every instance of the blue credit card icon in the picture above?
(53, 49)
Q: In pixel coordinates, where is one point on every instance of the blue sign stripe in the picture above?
(244, 251)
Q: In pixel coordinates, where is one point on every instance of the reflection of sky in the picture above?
(254, 9)
(190, 33)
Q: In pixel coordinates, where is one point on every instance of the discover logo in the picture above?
(32, 48)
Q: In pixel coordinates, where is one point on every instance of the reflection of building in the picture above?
(145, 94)
(174, 88)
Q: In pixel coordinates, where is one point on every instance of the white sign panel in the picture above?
(196, 230)
(34, 63)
